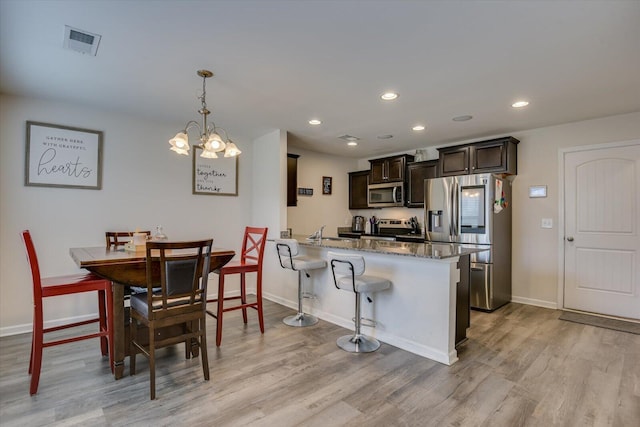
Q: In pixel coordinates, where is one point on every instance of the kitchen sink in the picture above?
(337, 239)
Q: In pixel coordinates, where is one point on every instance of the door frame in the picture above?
(562, 152)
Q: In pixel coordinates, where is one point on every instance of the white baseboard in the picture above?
(537, 302)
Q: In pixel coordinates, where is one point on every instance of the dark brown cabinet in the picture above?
(389, 169)
(416, 174)
(358, 182)
(292, 179)
(493, 156)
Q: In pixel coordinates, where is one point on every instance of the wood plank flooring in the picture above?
(520, 367)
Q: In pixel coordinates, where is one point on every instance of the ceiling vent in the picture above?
(81, 41)
(349, 138)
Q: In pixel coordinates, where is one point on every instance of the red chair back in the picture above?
(33, 263)
(253, 245)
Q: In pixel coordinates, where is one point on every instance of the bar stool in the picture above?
(348, 274)
(47, 287)
(288, 255)
(253, 244)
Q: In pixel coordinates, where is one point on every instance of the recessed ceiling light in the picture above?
(314, 122)
(462, 118)
(352, 143)
(385, 136)
(520, 104)
(389, 96)
(349, 138)
(418, 127)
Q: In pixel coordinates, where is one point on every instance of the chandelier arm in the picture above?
(210, 140)
(190, 124)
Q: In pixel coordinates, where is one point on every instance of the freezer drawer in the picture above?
(480, 280)
(489, 290)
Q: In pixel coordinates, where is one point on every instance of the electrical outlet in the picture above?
(546, 223)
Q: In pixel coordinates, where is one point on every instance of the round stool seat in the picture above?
(363, 284)
(302, 262)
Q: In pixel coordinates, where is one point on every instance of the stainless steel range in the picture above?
(388, 229)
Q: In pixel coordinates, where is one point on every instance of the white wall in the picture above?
(144, 184)
(536, 250)
(320, 209)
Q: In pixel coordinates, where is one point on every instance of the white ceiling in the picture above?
(278, 64)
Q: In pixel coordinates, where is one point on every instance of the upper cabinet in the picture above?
(358, 182)
(389, 169)
(493, 156)
(417, 173)
(292, 179)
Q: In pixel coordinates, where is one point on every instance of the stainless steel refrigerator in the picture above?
(475, 210)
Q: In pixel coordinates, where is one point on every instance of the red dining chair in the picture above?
(250, 261)
(65, 285)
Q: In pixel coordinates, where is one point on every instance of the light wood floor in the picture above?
(520, 367)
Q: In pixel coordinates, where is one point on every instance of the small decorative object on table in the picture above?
(160, 234)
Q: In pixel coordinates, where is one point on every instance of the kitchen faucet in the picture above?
(317, 235)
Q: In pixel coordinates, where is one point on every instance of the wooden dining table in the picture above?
(127, 268)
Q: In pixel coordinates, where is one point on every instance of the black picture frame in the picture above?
(326, 184)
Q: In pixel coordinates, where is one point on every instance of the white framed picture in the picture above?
(215, 177)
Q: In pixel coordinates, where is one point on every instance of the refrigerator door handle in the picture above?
(453, 228)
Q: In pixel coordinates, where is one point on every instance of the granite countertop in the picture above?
(419, 250)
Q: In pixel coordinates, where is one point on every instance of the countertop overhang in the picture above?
(418, 250)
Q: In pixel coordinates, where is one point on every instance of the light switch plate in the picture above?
(547, 223)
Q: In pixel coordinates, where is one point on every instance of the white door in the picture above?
(602, 241)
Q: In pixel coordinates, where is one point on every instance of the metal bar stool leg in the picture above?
(358, 343)
(300, 319)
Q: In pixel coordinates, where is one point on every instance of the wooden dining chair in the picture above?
(65, 285)
(118, 239)
(181, 300)
(253, 244)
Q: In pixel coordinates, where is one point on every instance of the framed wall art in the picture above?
(216, 177)
(326, 185)
(62, 156)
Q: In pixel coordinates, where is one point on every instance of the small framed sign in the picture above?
(536, 191)
(214, 177)
(305, 191)
(62, 156)
(326, 185)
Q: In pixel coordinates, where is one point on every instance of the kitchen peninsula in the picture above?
(420, 312)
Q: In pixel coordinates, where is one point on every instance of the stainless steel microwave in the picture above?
(385, 195)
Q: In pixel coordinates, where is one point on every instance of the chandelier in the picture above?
(210, 140)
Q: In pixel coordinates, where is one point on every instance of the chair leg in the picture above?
(110, 323)
(102, 315)
(203, 348)
(219, 312)
(243, 295)
(259, 297)
(300, 319)
(133, 333)
(36, 352)
(187, 343)
(152, 362)
(33, 340)
(358, 343)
